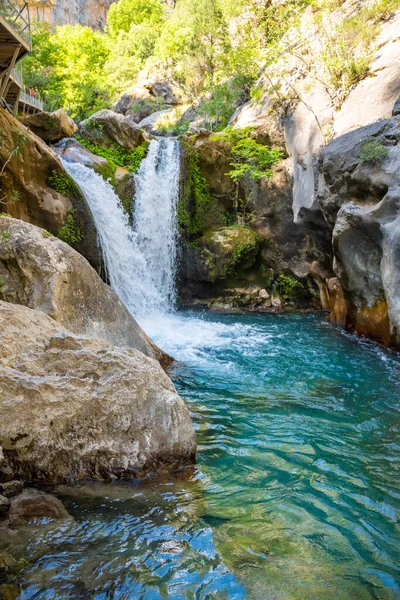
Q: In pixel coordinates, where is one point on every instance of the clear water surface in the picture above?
(296, 494)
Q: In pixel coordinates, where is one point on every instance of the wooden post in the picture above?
(16, 105)
(8, 72)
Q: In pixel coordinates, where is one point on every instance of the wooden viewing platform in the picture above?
(15, 43)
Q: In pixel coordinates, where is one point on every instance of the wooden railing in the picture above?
(36, 101)
(16, 13)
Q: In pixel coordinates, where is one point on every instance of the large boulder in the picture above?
(107, 128)
(73, 407)
(219, 253)
(51, 127)
(73, 151)
(42, 272)
(35, 187)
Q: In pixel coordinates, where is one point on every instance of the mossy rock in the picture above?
(79, 229)
(226, 250)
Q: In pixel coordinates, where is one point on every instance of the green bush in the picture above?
(373, 151)
(248, 157)
(289, 288)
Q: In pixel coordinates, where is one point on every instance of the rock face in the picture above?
(44, 273)
(74, 407)
(344, 194)
(359, 196)
(92, 13)
(51, 127)
(107, 128)
(35, 187)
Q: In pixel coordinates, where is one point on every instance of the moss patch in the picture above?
(226, 250)
(195, 198)
(118, 156)
(71, 232)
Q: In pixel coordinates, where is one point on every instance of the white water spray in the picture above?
(140, 260)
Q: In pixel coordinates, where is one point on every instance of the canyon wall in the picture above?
(92, 13)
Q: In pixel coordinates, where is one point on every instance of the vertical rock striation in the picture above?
(92, 13)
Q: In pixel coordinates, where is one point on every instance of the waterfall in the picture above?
(140, 259)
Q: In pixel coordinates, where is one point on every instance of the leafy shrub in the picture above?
(249, 158)
(373, 151)
(289, 288)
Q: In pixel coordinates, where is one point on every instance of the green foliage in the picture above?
(218, 108)
(5, 235)
(347, 53)
(195, 198)
(125, 13)
(63, 183)
(68, 68)
(249, 158)
(289, 288)
(71, 232)
(373, 151)
(4, 214)
(118, 156)
(107, 171)
(47, 234)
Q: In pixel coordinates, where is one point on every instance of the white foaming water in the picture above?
(140, 261)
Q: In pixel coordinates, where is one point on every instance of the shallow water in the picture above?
(296, 494)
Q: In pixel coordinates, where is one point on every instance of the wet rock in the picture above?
(106, 128)
(11, 488)
(51, 127)
(4, 506)
(32, 505)
(73, 151)
(44, 273)
(263, 294)
(7, 561)
(9, 592)
(276, 301)
(37, 189)
(73, 407)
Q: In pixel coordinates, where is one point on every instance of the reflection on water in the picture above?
(297, 490)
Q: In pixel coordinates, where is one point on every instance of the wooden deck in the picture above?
(15, 33)
(15, 43)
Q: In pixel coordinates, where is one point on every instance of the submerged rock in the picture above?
(42, 272)
(73, 407)
(5, 504)
(51, 127)
(32, 505)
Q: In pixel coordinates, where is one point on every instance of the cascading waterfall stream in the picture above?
(140, 260)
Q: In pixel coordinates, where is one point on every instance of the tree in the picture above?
(125, 13)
